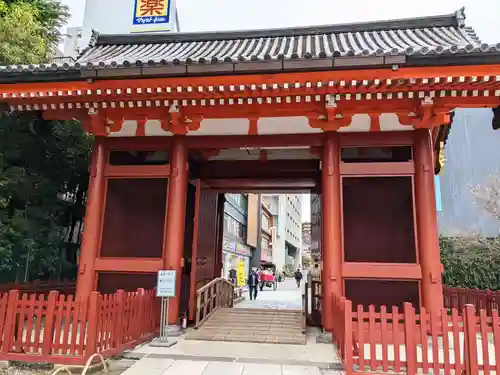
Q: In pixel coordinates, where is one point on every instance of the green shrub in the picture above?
(471, 262)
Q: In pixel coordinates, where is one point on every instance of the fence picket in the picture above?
(67, 324)
(48, 331)
(446, 341)
(3, 311)
(58, 323)
(29, 326)
(470, 323)
(455, 324)
(39, 311)
(361, 337)
(18, 342)
(74, 327)
(348, 335)
(423, 340)
(93, 324)
(495, 324)
(483, 327)
(372, 340)
(120, 319)
(384, 339)
(410, 342)
(434, 324)
(396, 339)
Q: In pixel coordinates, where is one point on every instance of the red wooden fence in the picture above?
(58, 329)
(41, 287)
(447, 342)
(457, 298)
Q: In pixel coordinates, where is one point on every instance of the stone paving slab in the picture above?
(299, 370)
(150, 366)
(185, 367)
(259, 368)
(312, 352)
(224, 368)
(158, 366)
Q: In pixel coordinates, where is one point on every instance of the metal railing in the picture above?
(86, 368)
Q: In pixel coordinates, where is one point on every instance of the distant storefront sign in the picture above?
(242, 274)
(236, 248)
(243, 250)
(156, 14)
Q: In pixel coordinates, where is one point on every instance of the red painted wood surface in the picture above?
(448, 341)
(41, 287)
(457, 298)
(58, 329)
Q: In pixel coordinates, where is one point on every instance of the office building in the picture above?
(286, 210)
(236, 253)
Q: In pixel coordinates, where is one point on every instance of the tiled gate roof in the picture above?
(413, 41)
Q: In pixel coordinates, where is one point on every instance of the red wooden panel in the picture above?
(207, 230)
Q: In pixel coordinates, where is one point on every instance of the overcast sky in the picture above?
(203, 15)
(213, 15)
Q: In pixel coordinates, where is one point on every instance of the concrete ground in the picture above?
(232, 358)
(156, 366)
(287, 297)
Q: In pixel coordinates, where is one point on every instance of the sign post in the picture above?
(165, 289)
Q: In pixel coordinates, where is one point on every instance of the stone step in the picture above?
(256, 323)
(238, 332)
(252, 325)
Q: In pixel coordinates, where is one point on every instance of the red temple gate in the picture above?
(352, 112)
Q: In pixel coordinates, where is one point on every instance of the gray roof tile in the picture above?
(413, 38)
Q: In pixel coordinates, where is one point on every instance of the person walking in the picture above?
(253, 283)
(298, 277)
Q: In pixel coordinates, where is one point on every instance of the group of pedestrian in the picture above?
(254, 281)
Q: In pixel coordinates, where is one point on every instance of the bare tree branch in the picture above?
(487, 196)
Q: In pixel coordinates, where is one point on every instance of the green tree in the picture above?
(29, 30)
(43, 164)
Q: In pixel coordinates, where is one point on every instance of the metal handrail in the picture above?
(65, 368)
(87, 366)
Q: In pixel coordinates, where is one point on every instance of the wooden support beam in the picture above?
(258, 169)
(377, 169)
(389, 271)
(116, 264)
(242, 183)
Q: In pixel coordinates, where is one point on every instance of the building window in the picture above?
(265, 222)
(239, 199)
(234, 227)
(264, 243)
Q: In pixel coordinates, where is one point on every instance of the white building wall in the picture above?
(71, 42)
(287, 214)
(117, 17)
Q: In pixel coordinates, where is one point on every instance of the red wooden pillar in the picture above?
(427, 229)
(331, 226)
(173, 244)
(89, 250)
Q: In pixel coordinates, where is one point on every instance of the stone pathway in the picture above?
(286, 297)
(204, 366)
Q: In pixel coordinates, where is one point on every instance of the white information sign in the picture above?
(165, 286)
